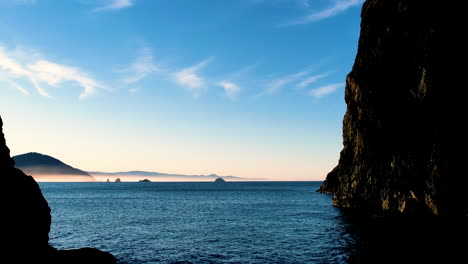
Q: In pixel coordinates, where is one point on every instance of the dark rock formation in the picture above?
(144, 180)
(26, 220)
(25, 213)
(220, 180)
(118, 180)
(404, 125)
(397, 239)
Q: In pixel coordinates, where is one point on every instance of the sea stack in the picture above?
(219, 180)
(404, 125)
(144, 180)
(26, 220)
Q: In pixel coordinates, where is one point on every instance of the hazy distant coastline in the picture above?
(134, 176)
(46, 168)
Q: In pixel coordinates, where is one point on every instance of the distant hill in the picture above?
(157, 176)
(47, 168)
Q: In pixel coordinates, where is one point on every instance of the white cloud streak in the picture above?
(17, 86)
(312, 79)
(141, 67)
(325, 90)
(276, 85)
(114, 5)
(190, 79)
(231, 89)
(337, 8)
(44, 72)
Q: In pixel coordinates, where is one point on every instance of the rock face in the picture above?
(26, 220)
(25, 213)
(403, 129)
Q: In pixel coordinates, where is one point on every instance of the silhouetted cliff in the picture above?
(403, 130)
(26, 220)
(25, 213)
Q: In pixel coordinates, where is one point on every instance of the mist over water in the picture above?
(61, 178)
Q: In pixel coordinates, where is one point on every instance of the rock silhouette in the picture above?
(26, 220)
(404, 125)
(144, 180)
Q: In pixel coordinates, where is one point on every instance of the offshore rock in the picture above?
(26, 220)
(404, 125)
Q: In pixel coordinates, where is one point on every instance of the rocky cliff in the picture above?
(25, 213)
(403, 131)
(26, 220)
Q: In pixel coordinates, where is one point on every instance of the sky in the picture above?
(248, 88)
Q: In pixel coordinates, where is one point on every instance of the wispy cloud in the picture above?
(304, 3)
(276, 85)
(54, 74)
(114, 5)
(17, 86)
(190, 79)
(312, 79)
(231, 89)
(243, 71)
(325, 90)
(141, 67)
(43, 72)
(338, 7)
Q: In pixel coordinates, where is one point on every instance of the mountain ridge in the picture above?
(159, 174)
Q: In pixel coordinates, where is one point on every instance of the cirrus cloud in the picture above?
(43, 72)
(325, 90)
(338, 7)
(141, 67)
(190, 79)
(231, 89)
(114, 5)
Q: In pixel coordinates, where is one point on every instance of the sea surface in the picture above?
(233, 222)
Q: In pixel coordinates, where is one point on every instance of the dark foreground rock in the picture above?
(404, 239)
(404, 131)
(26, 220)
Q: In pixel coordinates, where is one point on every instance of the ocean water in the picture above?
(233, 222)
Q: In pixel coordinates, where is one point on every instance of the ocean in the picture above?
(232, 222)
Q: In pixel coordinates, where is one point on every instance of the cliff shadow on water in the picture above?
(403, 239)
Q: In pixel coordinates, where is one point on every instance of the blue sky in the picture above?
(251, 88)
